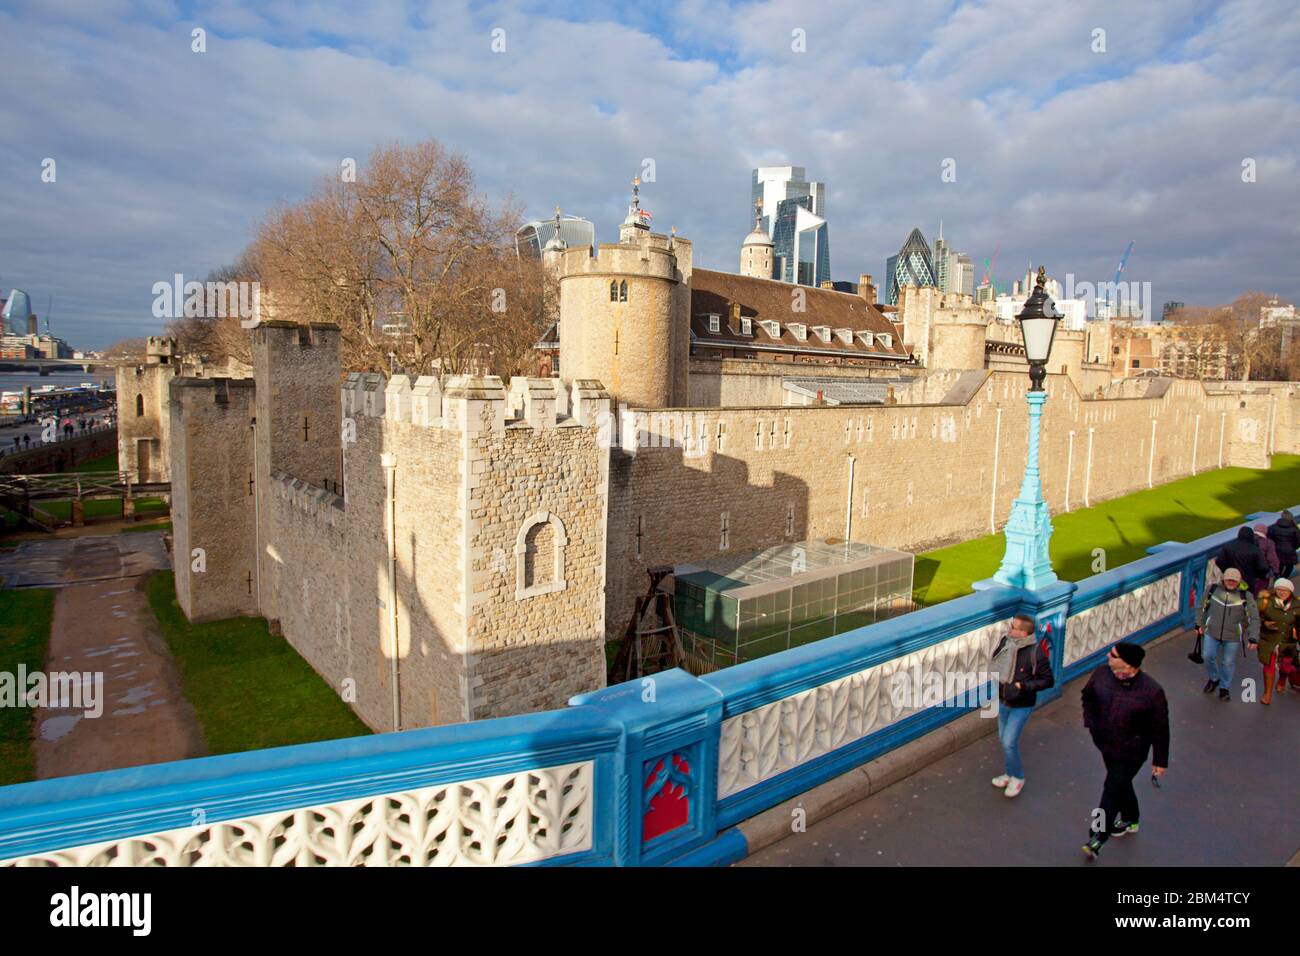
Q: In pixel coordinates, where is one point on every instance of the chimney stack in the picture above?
(867, 288)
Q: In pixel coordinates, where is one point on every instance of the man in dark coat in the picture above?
(1127, 714)
(1286, 537)
(1245, 555)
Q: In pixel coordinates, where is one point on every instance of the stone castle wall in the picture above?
(923, 474)
(213, 505)
(444, 526)
(143, 421)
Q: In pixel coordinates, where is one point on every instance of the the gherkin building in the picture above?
(912, 264)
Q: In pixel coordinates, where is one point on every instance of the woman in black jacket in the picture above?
(1244, 555)
(1023, 667)
(1286, 537)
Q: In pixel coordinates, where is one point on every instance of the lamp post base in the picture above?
(1027, 563)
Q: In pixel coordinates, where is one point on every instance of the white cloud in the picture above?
(168, 159)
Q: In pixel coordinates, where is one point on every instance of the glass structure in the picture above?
(741, 607)
(531, 238)
(772, 184)
(17, 307)
(801, 250)
(912, 264)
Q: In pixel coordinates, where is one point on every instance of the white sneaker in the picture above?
(1014, 786)
(1001, 780)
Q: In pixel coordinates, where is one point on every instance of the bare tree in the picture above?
(1252, 352)
(419, 272)
(218, 338)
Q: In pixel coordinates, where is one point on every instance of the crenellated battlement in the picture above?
(475, 404)
(318, 503)
(650, 255)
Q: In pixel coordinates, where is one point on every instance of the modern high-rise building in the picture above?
(912, 264)
(963, 274)
(531, 238)
(772, 185)
(800, 243)
(942, 266)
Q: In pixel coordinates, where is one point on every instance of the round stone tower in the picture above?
(756, 250)
(625, 314)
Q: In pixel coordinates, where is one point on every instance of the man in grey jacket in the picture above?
(1226, 618)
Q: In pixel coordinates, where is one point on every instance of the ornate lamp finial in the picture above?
(1042, 278)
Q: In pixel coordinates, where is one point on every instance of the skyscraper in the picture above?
(942, 267)
(774, 184)
(912, 264)
(963, 274)
(800, 243)
(532, 237)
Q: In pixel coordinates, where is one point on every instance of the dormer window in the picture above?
(746, 326)
(822, 332)
(886, 340)
(867, 339)
(772, 328)
(799, 331)
(715, 323)
(845, 336)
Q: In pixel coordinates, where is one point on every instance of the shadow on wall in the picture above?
(747, 516)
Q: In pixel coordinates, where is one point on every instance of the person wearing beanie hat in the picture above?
(1228, 620)
(1286, 538)
(1127, 714)
(1268, 549)
(1279, 620)
(1244, 554)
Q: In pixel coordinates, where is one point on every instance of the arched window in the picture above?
(139, 405)
(539, 556)
(613, 291)
(622, 291)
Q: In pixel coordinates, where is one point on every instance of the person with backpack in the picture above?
(1127, 714)
(1286, 538)
(1243, 553)
(1228, 619)
(1278, 617)
(1023, 667)
(1269, 550)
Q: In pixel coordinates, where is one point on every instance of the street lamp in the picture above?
(1038, 321)
(1027, 563)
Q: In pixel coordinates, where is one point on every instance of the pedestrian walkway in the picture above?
(103, 626)
(1227, 800)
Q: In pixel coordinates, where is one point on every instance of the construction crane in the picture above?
(988, 266)
(1114, 283)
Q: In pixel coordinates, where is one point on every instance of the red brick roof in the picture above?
(767, 300)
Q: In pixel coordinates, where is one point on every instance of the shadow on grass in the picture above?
(1120, 530)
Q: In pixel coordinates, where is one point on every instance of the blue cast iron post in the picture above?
(1027, 563)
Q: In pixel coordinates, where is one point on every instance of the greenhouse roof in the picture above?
(782, 566)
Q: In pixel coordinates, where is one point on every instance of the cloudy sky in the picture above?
(167, 159)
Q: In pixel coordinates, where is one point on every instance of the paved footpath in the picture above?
(1229, 798)
(103, 625)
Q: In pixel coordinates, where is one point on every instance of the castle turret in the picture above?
(625, 314)
(756, 250)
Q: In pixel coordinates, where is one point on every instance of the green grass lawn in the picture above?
(1124, 527)
(249, 689)
(102, 463)
(103, 508)
(25, 616)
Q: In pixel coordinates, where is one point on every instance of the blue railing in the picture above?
(651, 772)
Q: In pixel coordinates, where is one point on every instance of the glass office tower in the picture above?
(912, 264)
(801, 251)
(531, 238)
